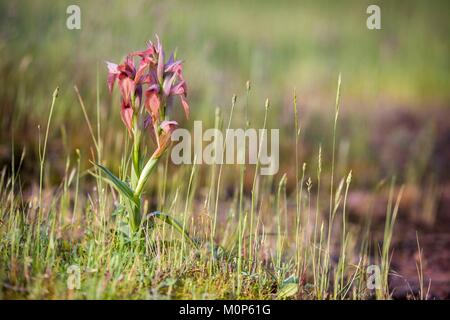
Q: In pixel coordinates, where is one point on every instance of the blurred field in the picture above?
(394, 120)
(302, 45)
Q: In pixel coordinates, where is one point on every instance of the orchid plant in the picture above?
(147, 91)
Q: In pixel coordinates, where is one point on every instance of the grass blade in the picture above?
(171, 221)
(121, 186)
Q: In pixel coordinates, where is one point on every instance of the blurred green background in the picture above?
(395, 89)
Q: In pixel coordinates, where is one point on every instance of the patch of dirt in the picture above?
(435, 258)
(432, 230)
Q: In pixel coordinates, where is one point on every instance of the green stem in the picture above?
(135, 219)
(136, 139)
(136, 152)
(146, 171)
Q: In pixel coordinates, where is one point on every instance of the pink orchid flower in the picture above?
(162, 82)
(145, 75)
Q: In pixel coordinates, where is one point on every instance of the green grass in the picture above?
(256, 237)
(46, 233)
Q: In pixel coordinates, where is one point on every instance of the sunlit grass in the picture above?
(251, 246)
(286, 236)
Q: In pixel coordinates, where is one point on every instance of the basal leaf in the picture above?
(287, 290)
(121, 186)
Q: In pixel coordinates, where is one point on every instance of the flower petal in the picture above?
(112, 67)
(139, 73)
(147, 52)
(111, 80)
(160, 68)
(179, 89)
(185, 106)
(152, 103)
(127, 87)
(164, 139)
(113, 71)
(126, 114)
(173, 66)
(167, 85)
(169, 126)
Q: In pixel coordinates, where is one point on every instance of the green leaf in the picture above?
(118, 211)
(171, 221)
(288, 288)
(124, 228)
(121, 186)
(291, 279)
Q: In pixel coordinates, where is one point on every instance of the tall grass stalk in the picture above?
(391, 216)
(333, 205)
(42, 154)
(241, 221)
(255, 187)
(315, 250)
(219, 178)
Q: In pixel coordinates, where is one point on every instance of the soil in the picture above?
(432, 233)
